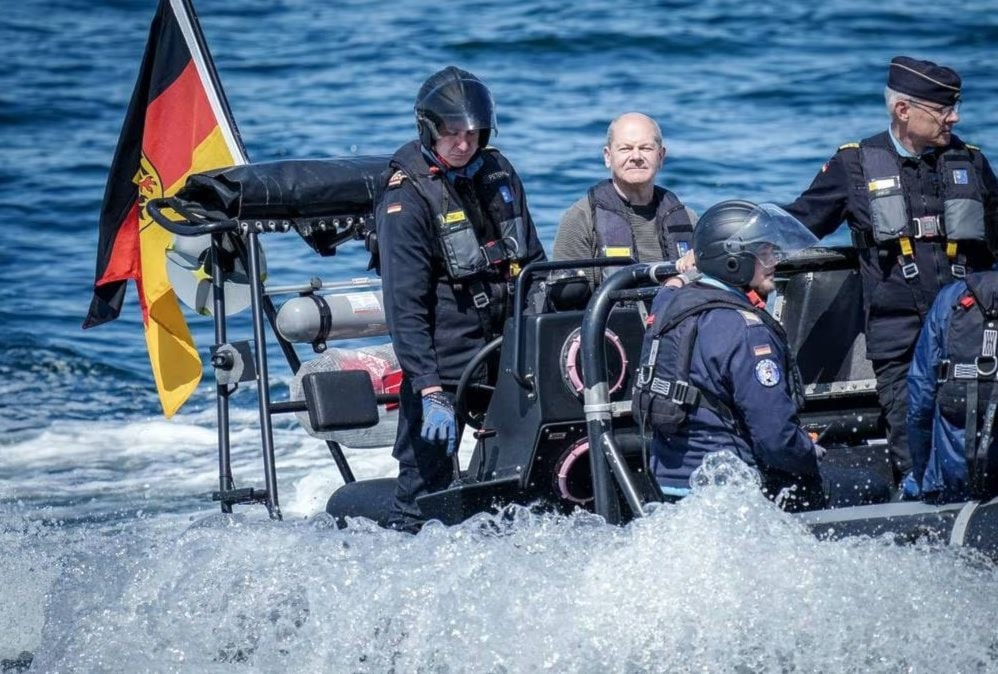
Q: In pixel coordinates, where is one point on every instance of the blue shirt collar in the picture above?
(902, 150)
(711, 281)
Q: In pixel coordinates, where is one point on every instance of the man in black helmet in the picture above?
(716, 372)
(919, 202)
(453, 232)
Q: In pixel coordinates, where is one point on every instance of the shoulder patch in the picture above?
(973, 147)
(394, 208)
(849, 146)
(396, 180)
(750, 318)
(767, 372)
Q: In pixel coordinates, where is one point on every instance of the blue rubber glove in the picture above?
(439, 422)
(910, 490)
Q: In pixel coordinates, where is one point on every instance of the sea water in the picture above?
(112, 555)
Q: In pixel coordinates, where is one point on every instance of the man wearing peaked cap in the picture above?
(920, 204)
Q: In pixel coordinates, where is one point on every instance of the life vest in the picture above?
(614, 236)
(663, 394)
(968, 379)
(482, 233)
(962, 217)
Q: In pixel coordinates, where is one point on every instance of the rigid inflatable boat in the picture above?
(556, 430)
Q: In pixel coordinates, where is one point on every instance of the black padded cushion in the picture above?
(340, 400)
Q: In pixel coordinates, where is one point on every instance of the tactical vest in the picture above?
(614, 237)
(968, 379)
(962, 218)
(663, 395)
(481, 237)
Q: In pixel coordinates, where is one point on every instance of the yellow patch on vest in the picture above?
(884, 184)
(454, 216)
(972, 147)
(617, 251)
(849, 146)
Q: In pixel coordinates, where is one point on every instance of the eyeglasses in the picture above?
(942, 112)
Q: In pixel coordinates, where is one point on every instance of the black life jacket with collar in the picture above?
(961, 218)
(478, 220)
(663, 395)
(612, 224)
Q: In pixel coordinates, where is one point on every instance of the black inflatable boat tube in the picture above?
(970, 524)
(294, 188)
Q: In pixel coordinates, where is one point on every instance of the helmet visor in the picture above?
(459, 104)
(772, 235)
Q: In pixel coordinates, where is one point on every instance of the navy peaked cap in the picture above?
(924, 79)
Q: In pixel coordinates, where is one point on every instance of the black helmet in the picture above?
(455, 99)
(728, 238)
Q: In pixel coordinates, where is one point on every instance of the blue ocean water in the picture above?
(102, 569)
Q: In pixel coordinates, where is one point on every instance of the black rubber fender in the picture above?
(364, 498)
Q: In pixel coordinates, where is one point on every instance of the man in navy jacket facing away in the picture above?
(953, 396)
(716, 372)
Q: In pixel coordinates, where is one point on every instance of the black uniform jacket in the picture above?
(894, 306)
(435, 327)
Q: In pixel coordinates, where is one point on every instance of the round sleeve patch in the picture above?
(767, 372)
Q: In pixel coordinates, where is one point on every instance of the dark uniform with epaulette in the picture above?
(450, 242)
(717, 375)
(918, 222)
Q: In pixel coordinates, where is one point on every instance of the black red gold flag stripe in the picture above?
(178, 122)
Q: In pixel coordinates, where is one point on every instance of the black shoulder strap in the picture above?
(703, 398)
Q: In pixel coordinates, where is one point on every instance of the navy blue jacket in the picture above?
(939, 465)
(739, 360)
(436, 329)
(839, 193)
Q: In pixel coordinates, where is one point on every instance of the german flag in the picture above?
(178, 122)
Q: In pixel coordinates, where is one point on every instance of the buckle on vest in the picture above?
(481, 300)
(958, 270)
(942, 371)
(965, 371)
(644, 374)
(909, 270)
(986, 366)
(927, 226)
(493, 252)
(684, 394)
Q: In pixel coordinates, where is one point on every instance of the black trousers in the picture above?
(424, 467)
(892, 390)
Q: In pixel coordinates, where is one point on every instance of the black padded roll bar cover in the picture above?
(292, 188)
(340, 400)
